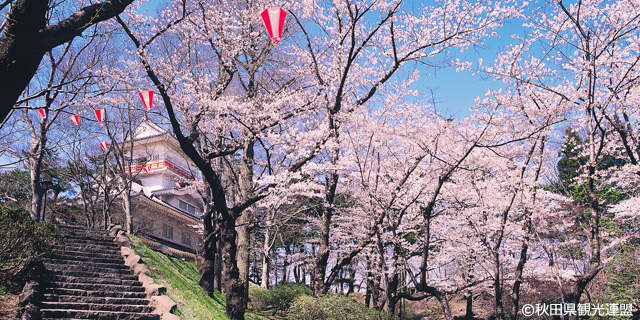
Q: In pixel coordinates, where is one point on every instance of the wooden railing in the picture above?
(162, 164)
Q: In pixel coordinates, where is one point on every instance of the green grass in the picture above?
(181, 279)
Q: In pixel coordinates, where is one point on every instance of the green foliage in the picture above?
(259, 298)
(332, 307)
(15, 188)
(279, 297)
(411, 237)
(22, 240)
(571, 165)
(624, 276)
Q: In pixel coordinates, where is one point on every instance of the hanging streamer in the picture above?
(104, 146)
(100, 115)
(42, 112)
(147, 98)
(75, 119)
(274, 21)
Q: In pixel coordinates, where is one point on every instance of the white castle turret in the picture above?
(167, 211)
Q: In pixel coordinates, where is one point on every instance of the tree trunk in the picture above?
(234, 286)
(469, 310)
(352, 280)
(208, 254)
(369, 283)
(243, 228)
(243, 249)
(265, 259)
(444, 303)
(497, 283)
(36, 194)
(126, 204)
(424, 271)
(322, 257)
(515, 292)
(285, 263)
(391, 296)
(217, 265)
(20, 52)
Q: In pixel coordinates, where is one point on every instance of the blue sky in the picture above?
(455, 92)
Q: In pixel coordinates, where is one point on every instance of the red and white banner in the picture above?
(100, 115)
(75, 119)
(146, 169)
(177, 185)
(147, 98)
(42, 112)
(104, 146)
(274, 21)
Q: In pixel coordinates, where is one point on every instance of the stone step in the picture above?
(127, 275)
(90, 242)
(82, 231)
(88, 258)
(97, 300)
(97, 238)
(87, 279)
(100, 315)
(97, 287)
(56, 268)
(88, 248)
(94, 293)
(81, 264)
(76, 253)
(74, 279)
(94, 306)
(78, 227)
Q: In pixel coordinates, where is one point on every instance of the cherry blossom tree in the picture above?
(353, 50)
(581, 60)
(222, 101)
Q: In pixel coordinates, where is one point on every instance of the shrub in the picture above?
(279, 297)
(259, 299)
(332, 307)
(22, 240)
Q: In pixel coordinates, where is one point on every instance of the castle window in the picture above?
(186, 240)
(167, 231)
(186, 207)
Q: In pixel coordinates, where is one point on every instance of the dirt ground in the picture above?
(430, 309)
(8, 306)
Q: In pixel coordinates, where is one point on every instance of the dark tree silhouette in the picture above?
(27, 36)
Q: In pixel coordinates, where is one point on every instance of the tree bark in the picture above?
(322, 257)
(497, 284)
(126, 204)
(444, 302)
(266, 248)
(243, 249)
(243, 229)
(208, 254)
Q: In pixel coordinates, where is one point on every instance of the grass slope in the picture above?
(181, 279)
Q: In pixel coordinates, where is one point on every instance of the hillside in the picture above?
(181, 279)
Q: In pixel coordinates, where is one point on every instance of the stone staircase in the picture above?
(86, 278)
